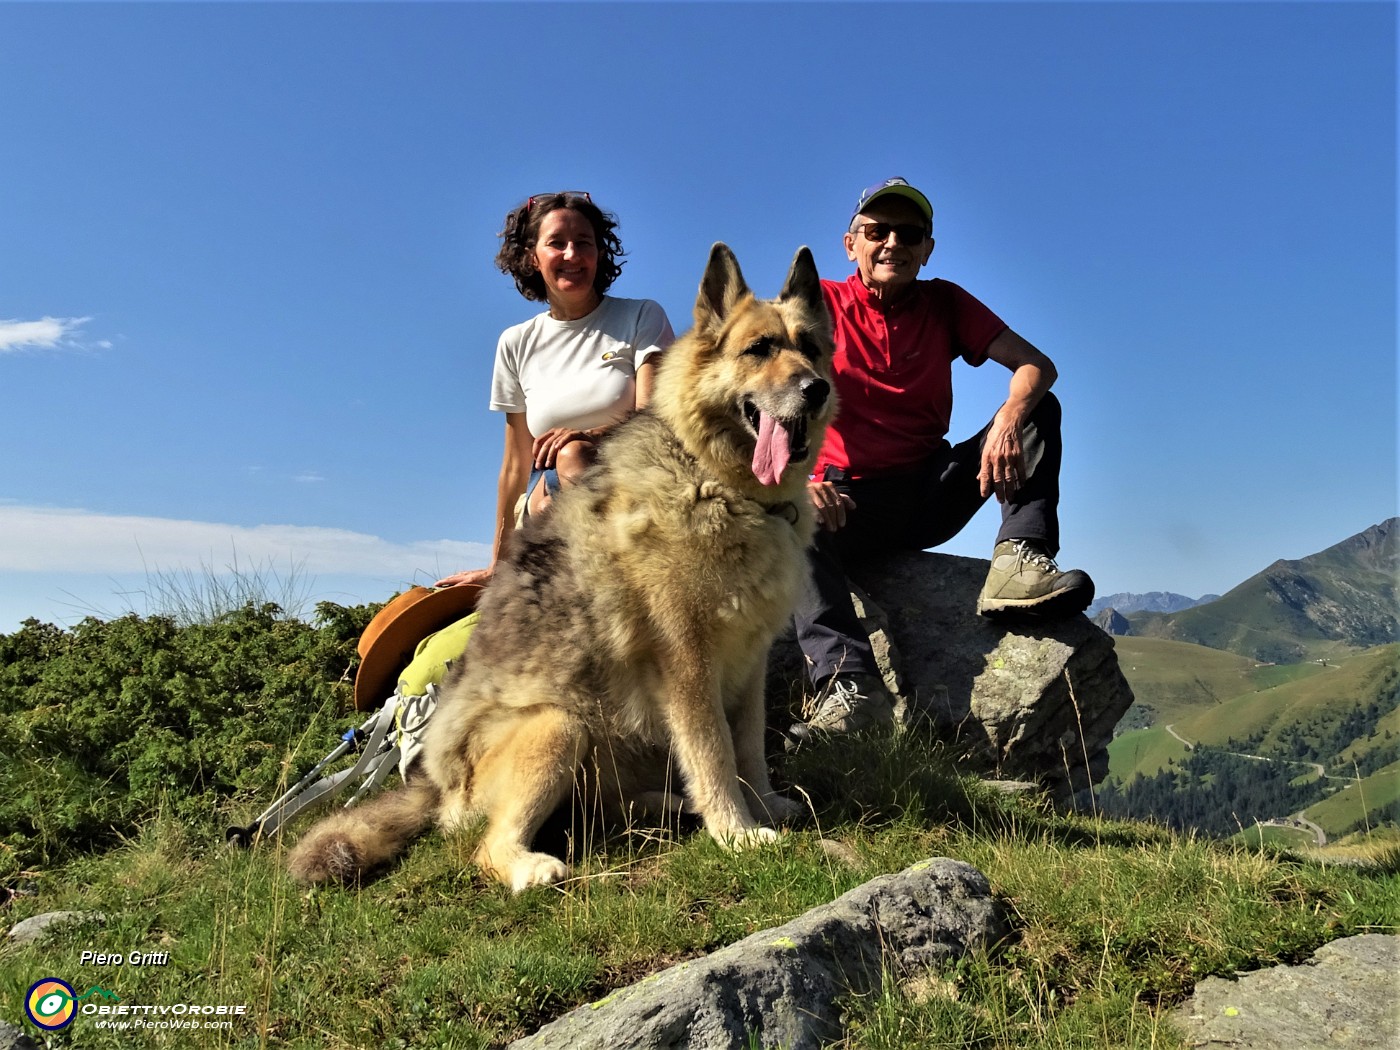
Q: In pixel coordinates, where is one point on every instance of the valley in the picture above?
(1226, 742)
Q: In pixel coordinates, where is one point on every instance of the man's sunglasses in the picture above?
(573, 194)
(910, 234)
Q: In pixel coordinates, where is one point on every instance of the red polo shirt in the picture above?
(894, 371)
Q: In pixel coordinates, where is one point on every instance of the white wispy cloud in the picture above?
(48, 333)
(62, 540)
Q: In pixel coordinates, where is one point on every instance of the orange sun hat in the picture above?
(388, 643)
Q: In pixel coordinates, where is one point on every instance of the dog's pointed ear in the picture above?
(802, 282)
(721, 287)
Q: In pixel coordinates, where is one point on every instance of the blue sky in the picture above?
(248, 308)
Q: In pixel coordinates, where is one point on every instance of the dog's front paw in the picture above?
(736, 840)
(536, 869)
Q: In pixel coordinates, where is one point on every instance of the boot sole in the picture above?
(1059, 605)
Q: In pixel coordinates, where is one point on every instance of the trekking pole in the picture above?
(304, 792)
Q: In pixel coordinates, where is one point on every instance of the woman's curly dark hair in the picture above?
(522, 230)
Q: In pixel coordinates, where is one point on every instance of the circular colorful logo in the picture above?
(50, 1003)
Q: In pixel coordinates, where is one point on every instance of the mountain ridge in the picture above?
(1342, 598)
(1152, 601)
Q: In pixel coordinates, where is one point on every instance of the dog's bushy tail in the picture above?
(352, 842)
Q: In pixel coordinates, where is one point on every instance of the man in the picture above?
(887, 478)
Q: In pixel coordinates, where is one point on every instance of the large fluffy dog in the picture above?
(624, 640)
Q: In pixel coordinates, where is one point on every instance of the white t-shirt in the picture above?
(577, 374)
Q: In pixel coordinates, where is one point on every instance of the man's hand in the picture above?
(1032, 374)
(831, 504)
(1003, 464)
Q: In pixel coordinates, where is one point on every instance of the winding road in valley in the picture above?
(1298, 819)
(1172, 730)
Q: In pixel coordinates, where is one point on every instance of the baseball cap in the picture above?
(898, 187)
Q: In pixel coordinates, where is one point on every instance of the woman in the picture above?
(567, 375)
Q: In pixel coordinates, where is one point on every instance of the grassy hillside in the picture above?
(1211, 696)
(1261, 836)
(1305, 705)
(1176, 678)
(1355, 806)
(1318, 726)
(1231, 623)
(1115, 922)
(1142, 752)
(1381, 743)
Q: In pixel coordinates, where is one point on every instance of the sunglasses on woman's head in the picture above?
(910, 234)
(558, 193)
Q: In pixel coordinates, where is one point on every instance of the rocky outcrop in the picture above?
(784, 986)
(1018, 702)
(1111, 621)
(1347, 997)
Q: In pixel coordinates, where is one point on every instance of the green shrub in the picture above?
(108, 722)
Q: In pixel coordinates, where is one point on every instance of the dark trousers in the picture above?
(915, 510)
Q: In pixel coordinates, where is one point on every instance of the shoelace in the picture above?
(843, 695)
(1034, 556)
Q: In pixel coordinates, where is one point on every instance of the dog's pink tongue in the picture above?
(771, 454)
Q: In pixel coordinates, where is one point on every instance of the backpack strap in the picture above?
(412, 720)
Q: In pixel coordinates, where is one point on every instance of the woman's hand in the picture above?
(546, 448)
(478, 576)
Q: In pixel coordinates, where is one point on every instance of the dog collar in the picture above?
(787, 509)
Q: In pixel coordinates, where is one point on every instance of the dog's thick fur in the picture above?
(624, 640)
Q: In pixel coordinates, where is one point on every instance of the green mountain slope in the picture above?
(1360, 805)
(1340, 599)
(1303, 718)
(1174, 679)
(1143, 753)
(1216, 734)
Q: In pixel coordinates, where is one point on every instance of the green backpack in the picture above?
(434, 655)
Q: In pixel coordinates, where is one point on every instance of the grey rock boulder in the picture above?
(783, 986)
(1347, 997)
(1020, 702)
(36, 926)
(13, 1038)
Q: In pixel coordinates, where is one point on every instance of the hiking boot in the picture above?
(849, 703)
(1026, 583)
